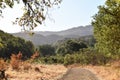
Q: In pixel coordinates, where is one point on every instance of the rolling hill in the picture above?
(49, 37)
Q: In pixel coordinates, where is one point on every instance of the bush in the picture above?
(69, 59)
(84, 57)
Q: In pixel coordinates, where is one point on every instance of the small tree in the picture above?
(70, 46)
(47, 50)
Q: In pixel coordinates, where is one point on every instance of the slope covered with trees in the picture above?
(12, 45)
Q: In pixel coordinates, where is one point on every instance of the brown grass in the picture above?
(110, 71)
(15, 61)
(35, 55)
(26, 66)
(105, 72)
(26, 70)
(51, 72)
(37, 72)
(3, 64)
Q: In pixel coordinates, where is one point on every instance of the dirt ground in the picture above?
(79, 74)
(37, 72)
(53, 72)
(106, 72)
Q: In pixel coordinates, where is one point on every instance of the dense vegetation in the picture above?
(106, 25)
(107, 28)
(67, 51)
(70, 51)
(87, 56)
(67, 46)
(86, 50)
(46, 50)
(12, 45)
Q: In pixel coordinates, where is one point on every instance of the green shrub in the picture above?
(69, 59)
(86, 56)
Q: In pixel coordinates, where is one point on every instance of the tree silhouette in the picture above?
(35, 11)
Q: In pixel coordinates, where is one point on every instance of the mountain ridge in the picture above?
(67, 31)
(49, 37)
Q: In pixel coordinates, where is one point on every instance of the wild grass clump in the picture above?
(3, 68)
(15, 61)
(26, 66)
(3, 64)
(34, 58)
(35, 55)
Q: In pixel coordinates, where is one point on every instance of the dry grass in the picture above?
(35, 55)
(26, 70)
(16, 60)
(109, 72)
(105, 72)
(19, 70)
(3, 64)
(37, 72)
(51, 72)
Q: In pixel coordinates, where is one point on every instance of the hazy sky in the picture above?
(72, 13)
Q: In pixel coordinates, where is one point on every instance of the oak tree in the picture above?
(35, 11)
(107, 27)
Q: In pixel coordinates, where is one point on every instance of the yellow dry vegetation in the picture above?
(31, 71)
(110, 71)
(37, 72)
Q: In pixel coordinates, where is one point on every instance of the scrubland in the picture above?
(16, 69)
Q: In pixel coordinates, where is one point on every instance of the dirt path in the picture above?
(79, 74)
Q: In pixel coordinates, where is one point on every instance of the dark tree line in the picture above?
(12, 45)
(67, 46)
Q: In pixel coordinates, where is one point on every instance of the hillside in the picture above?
(80, 31)
(10, 44)
(49, 37)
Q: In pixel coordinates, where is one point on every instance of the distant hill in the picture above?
(49, 37)
(80, 31)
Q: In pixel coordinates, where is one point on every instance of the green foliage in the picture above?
(107, 27)
(46, 50)
(11, 44)
(68, 59)
(84, 57)
(35, 11)
(1, 44)
(57, 59)
(70, 46)
(89, 40)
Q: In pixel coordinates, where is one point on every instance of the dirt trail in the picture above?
(79, 74)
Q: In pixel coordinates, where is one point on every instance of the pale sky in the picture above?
(72, 13)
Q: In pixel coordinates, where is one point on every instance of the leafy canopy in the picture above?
(35, 11)
(70, 46)
(107, 27)
(12, 45)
